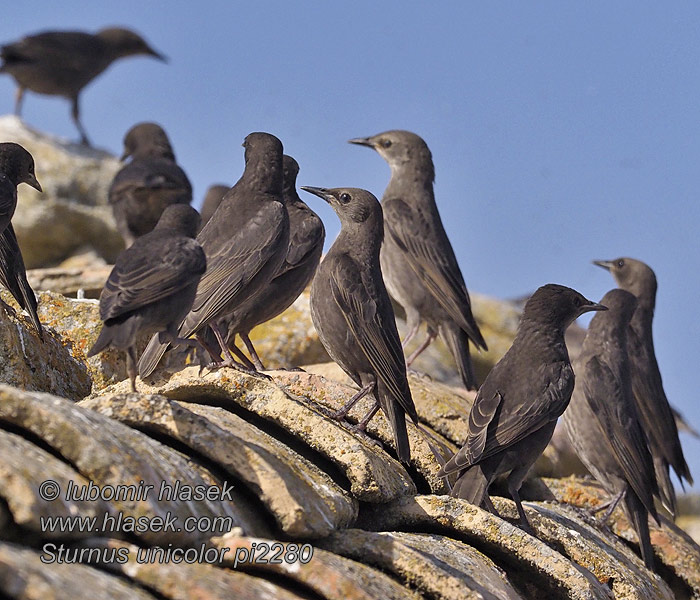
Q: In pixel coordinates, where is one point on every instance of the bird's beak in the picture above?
(606, 264)
(157, 55)
(124, 156)
(362, 142)
(323, 193)
(591, 307)
(32, 180)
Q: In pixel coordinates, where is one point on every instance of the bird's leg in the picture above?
(342, 413)
(75, 113)
(242, 357)
(411, 334)
(131, 366)
(423, 346)
(610, 504)
(229, 360)
(19, 96)
(251, 350)
(489, 505)
(524, 523)
(362, 425)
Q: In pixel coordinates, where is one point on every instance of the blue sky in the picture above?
(561, 132)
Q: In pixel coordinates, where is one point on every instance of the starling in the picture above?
(16, 166)
(152, 286)
(62, 63)
(418, 262)
(215, 194)
(602, 422)
(143, 188)
(652, 406)
(352, 312)
(516, 408)
(245, 242)
(306, 236)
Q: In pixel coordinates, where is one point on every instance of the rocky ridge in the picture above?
(277, 479)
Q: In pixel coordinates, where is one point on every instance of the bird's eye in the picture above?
(385, 143)
(621, 263)
(344, 198)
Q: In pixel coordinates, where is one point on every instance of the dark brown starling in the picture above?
(215, 194)
(16, 166)
(306, 236)
(516, 409)
(152, 286)
(652, 406)
(143, 188)
(245, 242)
(602, 422)
(352, 312)
(419, 265)
(62, 63)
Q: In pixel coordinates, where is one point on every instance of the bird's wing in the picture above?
(13, 275)
(304, 238)
(65, 49)
(432, 258)
(617, 417)
(146, 176)
(142, 277)
(372, 326)
(533, 409)
(234, 260)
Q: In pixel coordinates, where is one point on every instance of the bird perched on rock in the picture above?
(652, 405)
(601, 420)
(419, 265)
(517, 407)
(215, 194)
(306, 236)
(352, 312)
(16, 166)
(62, 63)
(143, 188)
(245, 242)
(152, 286)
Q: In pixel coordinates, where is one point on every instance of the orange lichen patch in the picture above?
(577, 495)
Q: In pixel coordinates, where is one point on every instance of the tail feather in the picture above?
(396, 416)
(666, 491)
(13, 276)
(639, 517)
(458, 343)
(471, 485)
(103, 340)
(151, 356)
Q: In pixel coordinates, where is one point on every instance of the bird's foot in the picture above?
(419, 374)
(11, 312)
(215, 366)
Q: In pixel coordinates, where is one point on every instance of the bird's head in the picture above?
(181, 218)
(632, 275)
(147, 140)
(355, 208)
(557, 306)
(124, 42)
(18, 164)
(399, 148)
